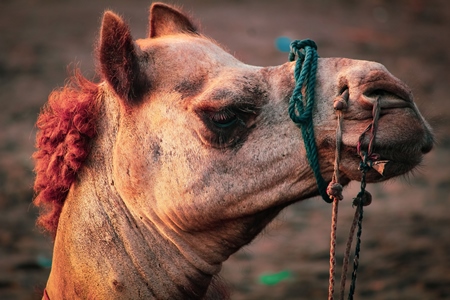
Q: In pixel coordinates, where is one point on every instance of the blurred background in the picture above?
(406, 242)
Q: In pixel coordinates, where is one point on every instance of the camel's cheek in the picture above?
(131, 170)
(136, 159)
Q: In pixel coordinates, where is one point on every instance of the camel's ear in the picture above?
(166, 20)
(119, 58)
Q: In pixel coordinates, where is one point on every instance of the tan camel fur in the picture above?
(152, 178)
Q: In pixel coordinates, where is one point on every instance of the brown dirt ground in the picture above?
(406, 243)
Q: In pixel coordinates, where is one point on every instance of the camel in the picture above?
(181, 154)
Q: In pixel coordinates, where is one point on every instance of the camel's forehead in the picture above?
(191, 65)
(189, 50)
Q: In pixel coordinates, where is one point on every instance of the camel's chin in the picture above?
(387, 166)
(395, 163)
(391, 169)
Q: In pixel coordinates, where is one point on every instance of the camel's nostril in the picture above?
(392, 92)
(391, 95)
(379, 93)
(428, 146)
(388, 99)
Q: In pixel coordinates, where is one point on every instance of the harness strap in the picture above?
(301, 111)
(301, 114)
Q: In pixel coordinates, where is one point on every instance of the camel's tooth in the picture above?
(379, 166)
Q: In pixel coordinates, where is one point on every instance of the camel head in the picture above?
(198, 149)
(204, 133)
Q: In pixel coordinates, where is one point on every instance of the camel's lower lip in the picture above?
(386, 164)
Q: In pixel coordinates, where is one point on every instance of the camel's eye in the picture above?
(225, 126)
(224, 119)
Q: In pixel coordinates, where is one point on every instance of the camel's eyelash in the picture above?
(222, 116)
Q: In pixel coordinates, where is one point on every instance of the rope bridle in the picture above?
(301, 115)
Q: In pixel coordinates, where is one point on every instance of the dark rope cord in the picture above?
(360, 210)
(364, 198)
(347, 254)
(301, 111)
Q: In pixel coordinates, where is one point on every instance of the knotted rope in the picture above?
(301, 114)
(334, 189)
(363, 198)
(301, 111)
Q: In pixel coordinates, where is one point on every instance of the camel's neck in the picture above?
(104, 251)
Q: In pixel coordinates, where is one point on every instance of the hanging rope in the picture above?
(301, 111)
(334, 189)
(363, 198)
(333, 248)
(301, 114)
(347, 254)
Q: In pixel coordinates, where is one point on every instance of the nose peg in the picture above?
(340, 102)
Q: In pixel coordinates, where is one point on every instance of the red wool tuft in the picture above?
(66, 126)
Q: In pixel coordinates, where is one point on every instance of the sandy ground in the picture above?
(406, 242)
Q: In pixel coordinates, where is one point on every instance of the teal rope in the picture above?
(300, 112)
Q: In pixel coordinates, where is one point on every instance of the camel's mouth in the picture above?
(400, 143)
(386, 167)
(395, 151)
(386, 163)
(395, 159)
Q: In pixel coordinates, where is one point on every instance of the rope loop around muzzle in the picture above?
(305, 77)
(301, 111)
